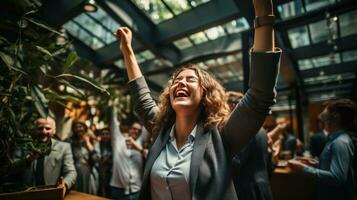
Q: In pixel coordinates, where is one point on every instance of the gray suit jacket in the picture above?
(58, 163)
(210, 176)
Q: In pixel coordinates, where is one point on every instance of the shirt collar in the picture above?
(190, 138)
(335, 134)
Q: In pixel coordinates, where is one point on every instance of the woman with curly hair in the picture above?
(195, 136)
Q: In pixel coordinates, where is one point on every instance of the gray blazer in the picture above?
(58, 163)
(210, 175)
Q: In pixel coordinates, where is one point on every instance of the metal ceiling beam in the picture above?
(324, 48)
(212, 49)
(57, 13)
(331, 69)
(200, 18)
(329, 87)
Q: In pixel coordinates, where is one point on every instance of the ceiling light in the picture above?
(90, 6)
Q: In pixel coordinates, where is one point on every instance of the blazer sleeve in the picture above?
(248, 116)
(144, 105)
(69, 171)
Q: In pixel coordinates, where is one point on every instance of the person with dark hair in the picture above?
(334, 173)
(318, 141)
(195, 134)
(106, 162)
(86, 154)
(250, 165)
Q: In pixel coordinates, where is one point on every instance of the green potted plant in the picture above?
(33, 66)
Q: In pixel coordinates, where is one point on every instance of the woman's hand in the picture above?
(263, 7)
(125, 36)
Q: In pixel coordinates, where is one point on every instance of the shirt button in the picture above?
(166, 187)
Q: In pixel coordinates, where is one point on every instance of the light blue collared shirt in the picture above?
(171, 171)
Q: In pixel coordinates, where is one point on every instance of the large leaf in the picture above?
(40, 101)
(90, 82)
(70, 60)
(40, 24)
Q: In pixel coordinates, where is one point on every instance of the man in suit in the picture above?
(54, 168)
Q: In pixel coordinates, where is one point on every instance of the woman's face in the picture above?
(185, 91)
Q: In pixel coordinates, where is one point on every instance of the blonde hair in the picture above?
(215, 109)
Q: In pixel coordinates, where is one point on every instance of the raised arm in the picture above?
(249, 115)
(144, 105)
(264, 34)
(132, 67)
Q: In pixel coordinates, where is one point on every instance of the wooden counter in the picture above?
(287, 185)
(74, 195)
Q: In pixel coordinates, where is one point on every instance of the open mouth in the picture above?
(181, 93)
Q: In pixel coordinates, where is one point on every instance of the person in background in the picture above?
(318, 141)
(250, 165)
(195, 134)
(333, 173)
(128, 161)
(106, 162)
(86, 154)
(54, 168)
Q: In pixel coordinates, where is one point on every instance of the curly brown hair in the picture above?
(215, 109)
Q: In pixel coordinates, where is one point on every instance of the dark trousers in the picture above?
(119, 194)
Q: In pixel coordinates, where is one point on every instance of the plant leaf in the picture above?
(7, 59)
(43, 50)
(71, 86)
(40, 101)
(3, 40)
(70, 60)
(40, 24)
(92, 83)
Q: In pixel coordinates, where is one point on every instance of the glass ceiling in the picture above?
(161, 10)
(93, 29)
(329, 78)
(324, 30)
(296, 7)
(234, 26)
(225, 69)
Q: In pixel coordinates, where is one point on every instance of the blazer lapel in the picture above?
(199, 148)
(155, 150)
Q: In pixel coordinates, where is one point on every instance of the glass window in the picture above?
(305, 64)
(290, 9)
(319, 31)
(94, 29)
(183, 43)
(349, 55)
(148, 55)
(236, 26)
(215, 32)
(160, 79)
(329, 78)
(83, 35)
(155, 9)
(348, 23)
(298, 37)
(119, 63)
(330, 59)
(178, 6)
(195, 3)
(198, 38)
(316, 4)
